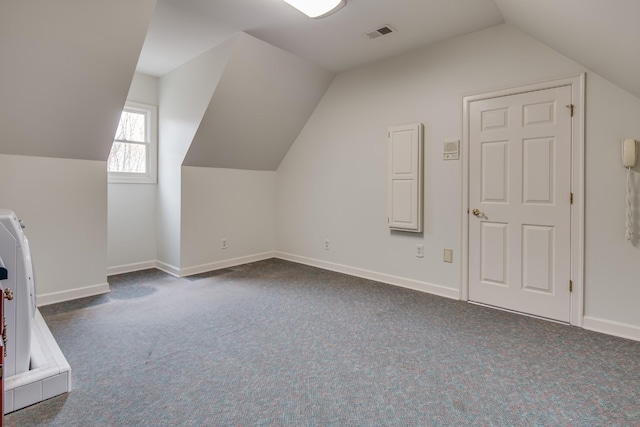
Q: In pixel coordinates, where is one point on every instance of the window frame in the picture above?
(151, 143)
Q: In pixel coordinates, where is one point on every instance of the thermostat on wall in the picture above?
(452, 150)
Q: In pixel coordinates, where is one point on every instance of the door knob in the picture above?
(476, 212)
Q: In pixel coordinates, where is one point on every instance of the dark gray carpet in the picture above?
(282, 344)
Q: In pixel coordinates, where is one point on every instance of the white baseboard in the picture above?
(168, 268)
(604, 326)
(340, 268)
(55, 297)
(373, 275)
(610, 327)
(128, 268)
(203, 268)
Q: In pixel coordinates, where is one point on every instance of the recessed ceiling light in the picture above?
(317, 8)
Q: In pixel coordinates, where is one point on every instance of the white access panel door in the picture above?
(519, 200)
(405, 174)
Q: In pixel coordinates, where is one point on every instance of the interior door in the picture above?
(520, 202)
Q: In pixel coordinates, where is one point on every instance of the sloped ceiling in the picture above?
(263, 99)
(266, 94)
(65, 71)
(182, 29)
(603, 36)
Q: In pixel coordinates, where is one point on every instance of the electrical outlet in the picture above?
(223, 244)
(327, 245)
(420, 251)
(448, 255)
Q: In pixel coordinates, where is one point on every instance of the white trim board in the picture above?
(340, 268)
(218, 265)
(89, 291)
(589, 323)
(610, 327)
(168, 268)
(56, 297)
(129, 268)
(416, 285)
(202, 268)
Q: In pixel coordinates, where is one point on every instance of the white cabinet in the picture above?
(404, 177)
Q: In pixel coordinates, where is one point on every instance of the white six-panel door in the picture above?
(519, 202)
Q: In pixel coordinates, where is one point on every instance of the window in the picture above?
(133, 156)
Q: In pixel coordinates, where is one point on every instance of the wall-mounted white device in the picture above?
(451, 150)
(629, 158)
(629, 153)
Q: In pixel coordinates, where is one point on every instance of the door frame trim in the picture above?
(577, 83)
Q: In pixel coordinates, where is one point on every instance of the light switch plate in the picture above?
(448, 255)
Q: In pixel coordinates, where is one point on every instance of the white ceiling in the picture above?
(604, 36)
(182, 29)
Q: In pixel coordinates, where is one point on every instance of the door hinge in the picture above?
(571, 107)
(570, 286)
(571, 198)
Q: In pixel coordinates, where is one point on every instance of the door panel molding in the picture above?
(537, 116)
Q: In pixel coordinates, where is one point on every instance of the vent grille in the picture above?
(382, 31)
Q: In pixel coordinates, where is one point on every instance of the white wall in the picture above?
(184, 95)
(143, 89)
(65, 76)
(612, 265)
(237, 205)
(132, 207)
(132, 227)
(64, 205)
(331, 184)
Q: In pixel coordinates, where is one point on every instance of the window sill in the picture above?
(130, 179)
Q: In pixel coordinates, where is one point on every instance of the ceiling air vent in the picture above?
(382, 31)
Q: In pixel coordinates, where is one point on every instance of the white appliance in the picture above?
(35, 368)
(19, 312)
